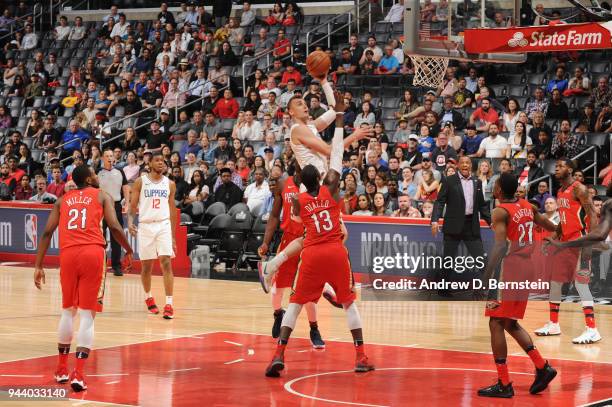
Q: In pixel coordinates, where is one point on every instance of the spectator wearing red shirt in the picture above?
(15, 172)
(56, 187)
(484, 116)
(282, 46)
(227, 108)
(23, 191)
(291, 73)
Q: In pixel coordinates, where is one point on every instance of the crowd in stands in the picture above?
(223, 143)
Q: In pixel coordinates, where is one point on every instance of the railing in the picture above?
(328, 23)
(200, 99)
(547, 177)
(593, 165)
(255, 59)
(35, 15)
(366, 6)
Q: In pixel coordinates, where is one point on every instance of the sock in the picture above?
(359, 348)
(554, 311)
(80, 360)
(148, 295)
(169, 299)
(314, 325)
(535, 356)
(63, 350)
(502, 371)
(279, 259)
(280, 348)
(589, 316)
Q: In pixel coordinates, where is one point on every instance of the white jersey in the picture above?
(305, 156)
(153, 203)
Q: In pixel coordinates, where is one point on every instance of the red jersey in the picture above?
(321, 217)
(288, 225)
(81, 216)
(573, 216)
(520, 229)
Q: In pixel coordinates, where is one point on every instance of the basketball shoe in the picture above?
(330, 295)
(266, 272)
(543, 377)
(168, 312)
(315, 339)
(61, 374)
(590, 335)
(362, 364)
(276, 365)
(77, 381)
(549, 329)
(151, 306)
(497, 390)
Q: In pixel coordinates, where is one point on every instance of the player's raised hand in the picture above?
(133, 230)
(364, 132)
(39, 277)
(262, 251)
(340, 106)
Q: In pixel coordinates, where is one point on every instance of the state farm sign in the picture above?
(561, 37)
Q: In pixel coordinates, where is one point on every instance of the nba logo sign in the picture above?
(31, 232)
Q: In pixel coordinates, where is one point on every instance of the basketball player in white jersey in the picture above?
(153, 197)
(310, 149)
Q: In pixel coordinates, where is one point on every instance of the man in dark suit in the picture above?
(462, 196)
(529, 172)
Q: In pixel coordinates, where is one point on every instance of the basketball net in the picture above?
(429, 71)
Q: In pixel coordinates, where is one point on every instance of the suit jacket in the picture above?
(451, 197)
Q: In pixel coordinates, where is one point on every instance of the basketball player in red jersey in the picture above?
(572, 264)
(598, 233)
(153, 199)
(513, 222)
(309, 149)
(324, 258)
(79, 214)
(284, 192)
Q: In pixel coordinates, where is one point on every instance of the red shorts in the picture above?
(320, 264)
(511, 302)
(567, 263)
(82, 274)
(287, 270)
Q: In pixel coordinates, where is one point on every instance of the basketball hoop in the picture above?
(429, 70)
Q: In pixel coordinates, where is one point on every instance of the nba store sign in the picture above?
(547, 38)
(20, 230)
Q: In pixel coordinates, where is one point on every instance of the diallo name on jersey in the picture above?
(156, 193)
(314, 205)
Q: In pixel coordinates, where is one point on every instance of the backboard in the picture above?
(436, 29)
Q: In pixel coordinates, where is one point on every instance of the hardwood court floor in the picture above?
(215, 350)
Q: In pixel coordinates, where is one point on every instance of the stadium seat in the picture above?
(239, 207)
(213, 210)
(215, 229)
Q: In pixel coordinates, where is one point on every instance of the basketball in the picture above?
(318, 64)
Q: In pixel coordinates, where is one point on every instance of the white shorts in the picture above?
(154, 240)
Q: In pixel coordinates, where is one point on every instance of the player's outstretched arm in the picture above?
(113, 224)
(133, 207)
(273, 219)
(43, 246)
(598, 234)
(498, 224)
(543, 221)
